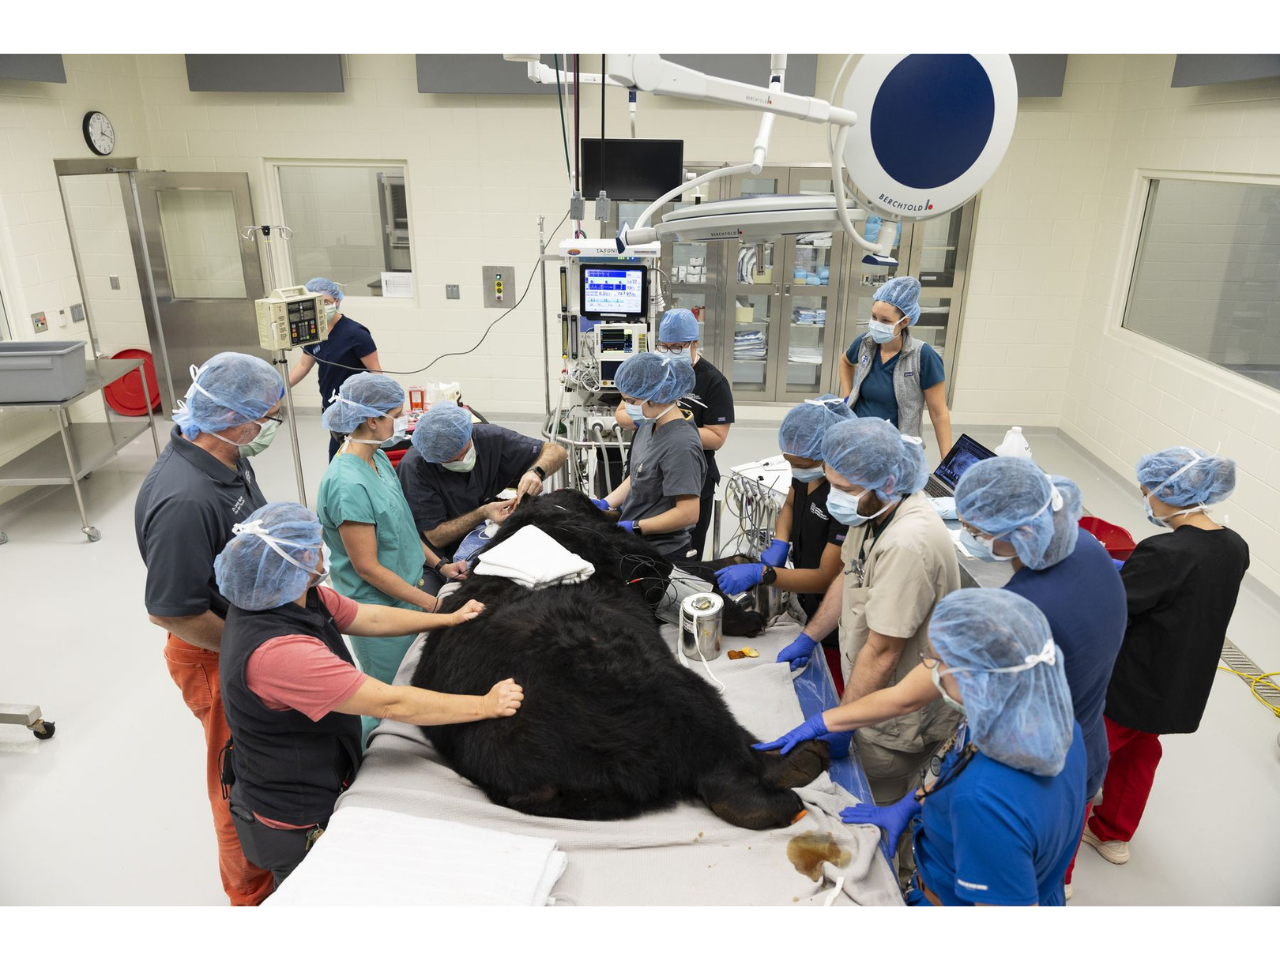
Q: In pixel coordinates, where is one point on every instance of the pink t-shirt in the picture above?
(298, 672)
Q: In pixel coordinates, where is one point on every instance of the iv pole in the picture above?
(283, 360)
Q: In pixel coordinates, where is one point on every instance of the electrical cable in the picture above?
(1255, 680)
(458, 353)
(564, 134)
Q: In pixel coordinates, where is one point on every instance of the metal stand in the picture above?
(27, 716)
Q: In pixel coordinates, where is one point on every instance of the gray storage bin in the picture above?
(41, 371)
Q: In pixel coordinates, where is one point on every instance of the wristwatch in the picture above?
(635, 528)
(542, 474)
(770, 574)
(439, 563)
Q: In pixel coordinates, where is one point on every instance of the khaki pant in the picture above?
(890, 774)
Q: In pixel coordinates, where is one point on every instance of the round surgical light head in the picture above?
(931, 130)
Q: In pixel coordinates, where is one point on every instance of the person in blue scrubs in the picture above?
(1013, 512)
(349, 349)
(1001, 822)
(890, 375)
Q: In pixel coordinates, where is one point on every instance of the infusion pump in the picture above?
(291, 317)
(614, 343)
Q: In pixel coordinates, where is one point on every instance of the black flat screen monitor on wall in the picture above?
(631, 169)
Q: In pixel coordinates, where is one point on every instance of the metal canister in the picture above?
(768, 600)
(701, 624)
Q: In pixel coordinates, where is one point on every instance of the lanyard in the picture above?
(876, 534)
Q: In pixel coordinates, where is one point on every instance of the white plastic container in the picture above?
(1014, 445)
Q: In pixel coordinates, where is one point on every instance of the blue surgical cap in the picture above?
(903, 293)
(874, 455)
(360, 397)
(653, 377)
(1021, 717)
(229, 390)
(443, 432)
(325, 285)
(1183, 477)
(252, 571)
(805, 425)
(1013, 499)
(678, 326)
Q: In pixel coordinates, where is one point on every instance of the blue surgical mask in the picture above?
(844, 508)
(981, 548)
(807, 474)
(676, 353)
(882, 332)
(636, 413)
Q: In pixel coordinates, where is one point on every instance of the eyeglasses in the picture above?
(928, 659)
(278, 421)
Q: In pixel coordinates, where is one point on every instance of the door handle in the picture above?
(786, 290)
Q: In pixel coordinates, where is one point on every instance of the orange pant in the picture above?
(195, 671)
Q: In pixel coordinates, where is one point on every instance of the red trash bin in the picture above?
(1118, 541)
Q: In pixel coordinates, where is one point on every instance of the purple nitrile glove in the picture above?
(602, 503)
(811, 729)
(798, 651)
(776, 555)
(892, 819)
(739, 578)
(627, 525)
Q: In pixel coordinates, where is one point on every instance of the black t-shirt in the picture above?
(1181, 589)
(437, 495)
(346, 344)
(183, 518)
(714, 408)
(812, 528)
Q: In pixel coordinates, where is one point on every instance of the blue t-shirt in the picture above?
(346, 344)
(875, 396)
(1002, 836)
(1083, 599)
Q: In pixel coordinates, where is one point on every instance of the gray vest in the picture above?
(906, 381)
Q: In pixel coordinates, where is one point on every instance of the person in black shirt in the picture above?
(1181, 591)
(805, 529)
(711, 405)
(349, 344)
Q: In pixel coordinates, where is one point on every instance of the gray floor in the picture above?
(113, 810)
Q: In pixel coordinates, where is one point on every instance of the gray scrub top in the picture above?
(666, 463)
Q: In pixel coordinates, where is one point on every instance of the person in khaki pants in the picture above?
(200, 487)
(899, 561)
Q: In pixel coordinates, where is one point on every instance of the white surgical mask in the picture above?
(844, 508)
(465, 465)
(400, 426)
(981, 548)
(807, 474)
(882, 332)
(947, 698)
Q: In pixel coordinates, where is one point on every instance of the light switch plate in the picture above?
(115, 282)
(39, 322)
(77, 312)
(499, 287)
(451, 292)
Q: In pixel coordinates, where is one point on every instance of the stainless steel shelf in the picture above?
(92, 445)
(98, 373)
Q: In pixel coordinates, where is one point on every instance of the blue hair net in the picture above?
(1013, 499)
(653, 377)
(678, 326)
(252, 570)
(325, 285)
(805, 425)
(229, 390)
(1011, 674)
(360, 397)
(874, 455)
(903, 293)
(443, 432)
(1183, 477)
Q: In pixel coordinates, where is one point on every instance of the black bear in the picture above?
(612, 725)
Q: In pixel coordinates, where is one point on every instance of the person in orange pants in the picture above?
(201, 486)
(195, 671)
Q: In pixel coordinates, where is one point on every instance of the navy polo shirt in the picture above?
(348, 343)
(876, 397)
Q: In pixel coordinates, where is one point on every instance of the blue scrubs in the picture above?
(876, 397)
(1083, 598)
(1002, 836)
(347, 344)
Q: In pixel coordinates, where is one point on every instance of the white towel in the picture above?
(376, 858)
(532, 558)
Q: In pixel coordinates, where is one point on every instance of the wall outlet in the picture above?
(39, 322)
(115, 282)
(451, 292)
(77, 313)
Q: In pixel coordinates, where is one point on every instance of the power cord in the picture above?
(1262, 679)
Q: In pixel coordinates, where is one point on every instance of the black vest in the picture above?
(288, 767)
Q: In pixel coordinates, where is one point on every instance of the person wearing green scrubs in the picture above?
(378, 556)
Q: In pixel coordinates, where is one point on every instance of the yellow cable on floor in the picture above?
(1261, 678)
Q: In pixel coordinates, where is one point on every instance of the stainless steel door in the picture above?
(206, 275)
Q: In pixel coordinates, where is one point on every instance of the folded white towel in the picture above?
(532, 558)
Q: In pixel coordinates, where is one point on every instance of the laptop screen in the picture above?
(966, 452)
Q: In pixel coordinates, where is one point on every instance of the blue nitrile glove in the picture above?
(811, 729)
(776, 555)
(892, 819)
(602, 504)
(798, 651)
(838, 744)
(739, 578)
(627, 525)
(1119, 563)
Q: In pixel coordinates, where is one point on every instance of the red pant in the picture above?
(1071, 867)
(1134, 757)
(195, 671)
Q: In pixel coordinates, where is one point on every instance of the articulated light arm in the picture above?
(539, 72)
(777, 77)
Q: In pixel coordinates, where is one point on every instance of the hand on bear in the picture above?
(504, 699)
(469, 611)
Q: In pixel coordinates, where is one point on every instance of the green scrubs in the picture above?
(352, 492)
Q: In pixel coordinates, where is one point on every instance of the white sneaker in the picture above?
(1116, 851)
(1068, 890)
